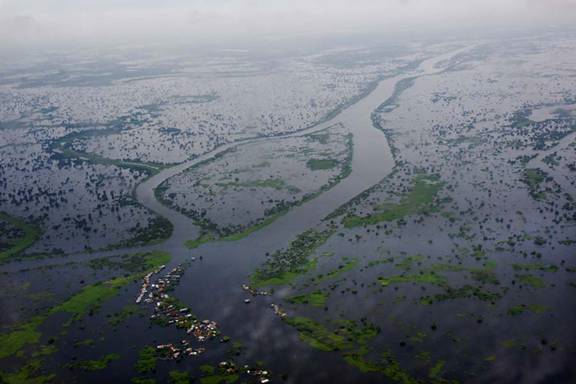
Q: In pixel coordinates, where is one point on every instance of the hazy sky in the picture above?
(24, 22)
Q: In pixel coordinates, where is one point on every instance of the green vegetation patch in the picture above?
(522, 308)
(27, 235)
(533, 178)
(126, 312)
(535, 267)
(89, 298)
(352, 339)
(465, 292)
(133, 263)
(147, 359)
(219, 379)
(349, 264)
(485, 275)
(277, 184)
(92, 296)
(179, 377)
(317, 299)
(157, 230)
(63, 148)
(418, 200)
(203, 238)
(24, 334)
(285, 266)
(264, 223)
(321, 164)
(322, 138)
(423, 278)
(531, 280)
(98, 364)
(27, 374)
(348, 336)
(408, 262)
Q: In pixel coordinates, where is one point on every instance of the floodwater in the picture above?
(211, 286)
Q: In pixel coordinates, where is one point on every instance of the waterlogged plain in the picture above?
(255, 183)
(467, 244)
(72, 204)
(456, 267)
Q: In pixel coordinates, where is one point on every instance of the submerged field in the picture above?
(130, 252)
(253, 183)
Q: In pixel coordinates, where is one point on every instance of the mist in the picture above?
(31, 23)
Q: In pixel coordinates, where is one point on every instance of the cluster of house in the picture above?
(173, 351)
(253, 291)
(169, 311)
(146, 284)
(278, 311)
(229, 368)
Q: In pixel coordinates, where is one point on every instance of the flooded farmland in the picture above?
(367, 214)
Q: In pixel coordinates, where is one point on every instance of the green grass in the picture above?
(351, 339)
(66, 151)
(432, 275)
(212, 233)
(535, 267)
(98, 364)
(464, 292)
(78, 305)
(31, 233)
(143, 380)
(317, 299)
(219, 379)
(322, 138)
(534, 178)
(208, 237)
(126, 312)
(94, 295)
(133, 263)
(26, 375)
(521, 308)
(531, 280)
(348, 265)
(277, 184)
(283, 278)
(424, 190)
(158, 230)
(204, 238)
(348, 335)
(321, 164)
(285, 266)
(90, 297)
(147, 359)
(424, 278)
(264, 223)
(316, 335)
(408, 262)
(486, 274)
(436, 370)
(26, 333)
(179, 377)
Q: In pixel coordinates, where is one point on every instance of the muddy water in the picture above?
(211, 286)
(372, 162)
